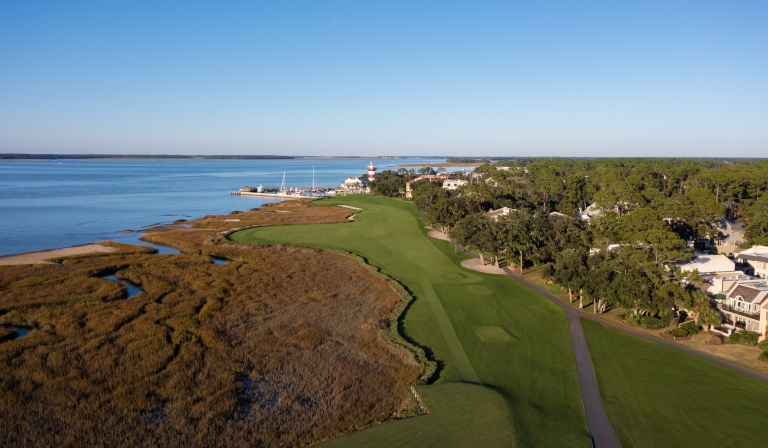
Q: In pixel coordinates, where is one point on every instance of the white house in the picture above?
(452, 184)
(718, 271)
(746, 306)
(754, 261)
(494, 214)
(720, 282)
(427, 177)
(354, 183)
(709, 264)
(730, 232)
(589, 212)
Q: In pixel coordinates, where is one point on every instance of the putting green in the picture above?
(533, 373)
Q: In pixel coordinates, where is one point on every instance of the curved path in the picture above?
(627, 329)
(600, 427)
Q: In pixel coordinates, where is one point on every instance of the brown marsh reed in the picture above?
(282, 346)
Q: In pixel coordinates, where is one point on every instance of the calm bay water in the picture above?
(55, 204)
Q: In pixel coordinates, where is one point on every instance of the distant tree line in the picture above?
(12, 156)
(466, 160)
(262, 157)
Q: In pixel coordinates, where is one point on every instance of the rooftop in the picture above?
(753, 257)
(710, 264)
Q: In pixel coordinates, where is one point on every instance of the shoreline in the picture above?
(40, 256)
(272, 195)
(80, 249)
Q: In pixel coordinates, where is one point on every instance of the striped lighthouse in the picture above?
(371, 172)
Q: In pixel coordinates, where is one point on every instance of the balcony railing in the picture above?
(740, 312)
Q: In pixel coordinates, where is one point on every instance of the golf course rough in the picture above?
(526, 385)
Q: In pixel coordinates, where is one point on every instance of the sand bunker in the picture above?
(474, 264)
(438, 235)
(40, 257)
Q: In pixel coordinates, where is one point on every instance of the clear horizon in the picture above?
(559, 79)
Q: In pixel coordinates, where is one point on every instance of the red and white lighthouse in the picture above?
(371, 172)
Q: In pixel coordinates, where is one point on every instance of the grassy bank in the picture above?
(657, 396)
(483, 329)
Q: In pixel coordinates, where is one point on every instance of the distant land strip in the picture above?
(14, 156)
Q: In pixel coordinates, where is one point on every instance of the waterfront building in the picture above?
(354, 183)
(453, 184)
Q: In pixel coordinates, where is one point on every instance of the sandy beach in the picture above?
(40, 257)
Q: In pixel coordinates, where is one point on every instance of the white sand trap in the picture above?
(438, 235)
(231, 220)
(474, 264)
(40, 257)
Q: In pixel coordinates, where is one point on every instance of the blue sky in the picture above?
(582, 78)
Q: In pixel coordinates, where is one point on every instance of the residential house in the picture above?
(425, 177)
(718, 283)
(494, 214)
(718, 272)
(589, 212)
(746, 306)
(730, 232)
(453, 184)
(709, 264)
(754, 261)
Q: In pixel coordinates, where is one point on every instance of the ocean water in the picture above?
(55, 204)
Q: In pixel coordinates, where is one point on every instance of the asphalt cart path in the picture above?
(600, 427)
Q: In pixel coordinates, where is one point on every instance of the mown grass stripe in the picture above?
(466, 372)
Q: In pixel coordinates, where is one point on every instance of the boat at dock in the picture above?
(287, 192)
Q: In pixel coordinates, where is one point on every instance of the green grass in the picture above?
(534, 371)
(657, 396)
(462, 415)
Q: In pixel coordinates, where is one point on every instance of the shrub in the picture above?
(749, 337)
(763, 356)
(650, 322)
(691, 327)
(665, 316)
(679, 333)
(621, 316)
(734, 338)
(763, 345)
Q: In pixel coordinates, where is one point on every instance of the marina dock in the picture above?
(297, 195)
